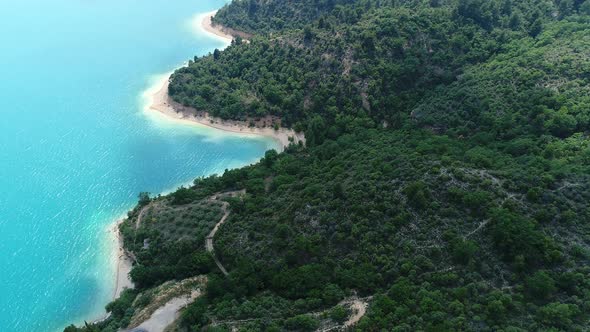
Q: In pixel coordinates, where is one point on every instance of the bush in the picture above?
(540, 286)
(338, 314)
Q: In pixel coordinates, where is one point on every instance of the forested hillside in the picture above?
(445, 180)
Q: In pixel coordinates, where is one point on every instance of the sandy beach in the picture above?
(204, 22)
(160, 101)
(124, 264)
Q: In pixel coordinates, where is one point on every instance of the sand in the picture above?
(124, 265)
(123, 262)
(206, 24)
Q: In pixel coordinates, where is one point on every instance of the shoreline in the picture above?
(160, 101)
(124, 264)
(205, 23)
(123, 261)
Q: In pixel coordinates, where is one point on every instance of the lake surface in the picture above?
(76, 146)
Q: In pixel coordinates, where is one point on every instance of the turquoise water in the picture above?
(76, 146)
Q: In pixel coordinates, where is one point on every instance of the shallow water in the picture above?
(76, 146)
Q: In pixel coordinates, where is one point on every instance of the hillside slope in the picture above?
(445, 181)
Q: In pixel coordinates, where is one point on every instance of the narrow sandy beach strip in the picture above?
(124, 265)
(206, 24)
(160, 101)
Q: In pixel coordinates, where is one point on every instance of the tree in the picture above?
(339, 314)
(119, 307)
(561, 123)
(496, 310)
(368, 42)
(559, 314)
(418, 194)
(566, 7)
(144, 198)
(307, 33)
(315, 131)
(270, 157)
(515, 21)
(464, 250)
(194, 315)
(252, 8)
(536, 28)
(540, 286)
(516, 235)
(302, 323)
(475, 10)
(332, 294)
(183, 196)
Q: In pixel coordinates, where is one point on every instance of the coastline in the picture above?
(160, 102)
(205, 22)
(123, 261)
(124, 264)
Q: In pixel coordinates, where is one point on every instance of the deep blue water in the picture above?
(76, 147)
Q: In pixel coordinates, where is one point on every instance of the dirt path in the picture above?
(166, 314)
(142, 213)
(225, 209)
(140, 216)
(359, 309)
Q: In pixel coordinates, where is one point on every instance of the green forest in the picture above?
(445, 179)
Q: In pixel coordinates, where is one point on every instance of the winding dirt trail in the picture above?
(225, 208)
(142, 213)
(166, 315)
(359, 308)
